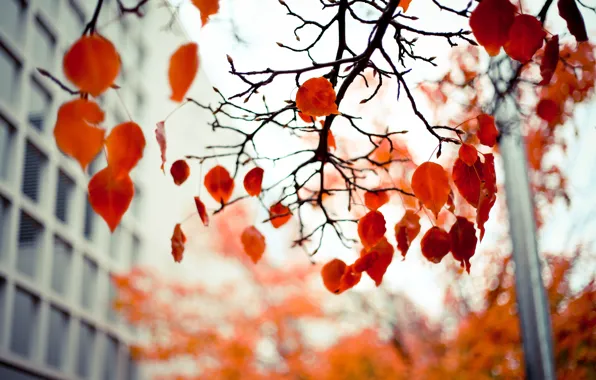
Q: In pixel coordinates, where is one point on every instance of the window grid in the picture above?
(28, 105)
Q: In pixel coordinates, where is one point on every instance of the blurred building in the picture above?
(56, 254)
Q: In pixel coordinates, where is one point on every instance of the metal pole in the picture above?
(532, 304)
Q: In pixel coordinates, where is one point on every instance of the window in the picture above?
(110, 366)
(12, 18)
(24, 323)
(50, 6)
(35, 163)
(137, 210)
(111, 313)
(61, 265)
(135, 256)
(30, 242)
(6, 138)
(89, 284)
(85, 350)
(115, 242)
(74, 20)
(2, 307)
(44, 45)
(132, 372)
(140, 104)
(13, 374)
(64, 192)
(89, 219)
(10, 70)
(4, 226)
(57, 337)
(40, 103)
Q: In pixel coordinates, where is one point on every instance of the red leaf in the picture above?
(77, 132)
(575, 22)
(253, 242)
(525, 38)
(406, 231)
(371, 228)
(468, 154)
(180, 172)
(550, 60)
(365, 261)
(253, 181)
(279, 215)
(306, 118)
(467, 180)
(463, 241)
(487, 132)
(110, 195)
(487, 200)
(178, 240)
(184, 65)
(375, 199)
(435, 244)
(349, 279)
(219, 184)
(383, 255)
(202, 210)
(489, 176)
(431, 186)
(92, 64)
(207, 9)
(490, 22)
(160, 136)
(332, 272)
(316, 97)
(125, 146)
(548, 110)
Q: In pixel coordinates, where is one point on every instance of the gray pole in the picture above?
(532, 304)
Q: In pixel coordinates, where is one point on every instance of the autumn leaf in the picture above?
(435, 244)
(180, 172)
(202, 210)
(349, 279)
(383, 255)
(366, 260)
(463, 241)
(184, 65)
(77, 132)
(431, 186)
(125, 145)
(489, 176)
(332, 273)
(467, 179)
(405, 4)
(575, 22)
(110, 195)
(548, 110)
(406, 231)
(525, 38)
(485, 204)
(279, 215)
(550, 60)
(219, 184)
(331, 141)
(253, 242)
(371, 228)
(490, 22)
(487, 131)
(160, 136)
(468, 154)
(306, 118)
(207, 9)
(178, 240)
(253, 181)
(375, 199)
(92, 64)
(316, 97)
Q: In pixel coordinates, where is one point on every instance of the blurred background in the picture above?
(77, 302)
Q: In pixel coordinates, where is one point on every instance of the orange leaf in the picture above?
(202, 211)
(490, 23)
(178, 240)
(110, 195)
(548, 110)
(485, 204)
(435, 244)
(184, 65)
(467, 180)
(405, 4)
(279, 215)
(487, 131)
(375, 199)
(468, 154)
(253, 242)
(331, 141)
(365, 261)
(550, 60)
(525, 38)
(207, 9)
(253, 181)
(160, 136)
(431, 186)
(489, 176)
(219, 184)
(332, 273)
(180, 172)
(406, 231)
(77, 132)
(463, 241)
(316, 97)
(92, 64)
(575, 22)
(383, 254)
(349, 279)
(306, 118)
(371, 228)
(125, 145)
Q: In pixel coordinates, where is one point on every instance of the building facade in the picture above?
(56, 254)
